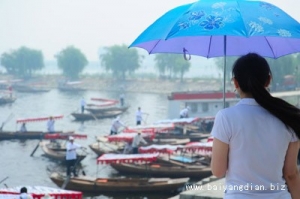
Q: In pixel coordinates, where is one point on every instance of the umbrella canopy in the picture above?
(212, 28)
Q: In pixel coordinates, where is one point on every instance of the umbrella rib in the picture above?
(270, 46)
(150, 52)
(209, 45)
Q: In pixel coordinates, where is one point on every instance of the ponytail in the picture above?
(253, 73)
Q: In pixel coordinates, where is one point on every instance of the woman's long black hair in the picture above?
(252, 72)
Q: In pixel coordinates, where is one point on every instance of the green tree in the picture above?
(120, 60)
(72, 62)
(172, 64)
(22, 62)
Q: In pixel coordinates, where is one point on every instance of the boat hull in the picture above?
(88, 116)
(161, 170)
(120, 185)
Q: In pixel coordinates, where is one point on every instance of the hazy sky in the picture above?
(52, 25)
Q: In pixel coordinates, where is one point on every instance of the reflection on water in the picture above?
(21, 169)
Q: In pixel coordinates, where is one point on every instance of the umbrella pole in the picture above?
(224, 73)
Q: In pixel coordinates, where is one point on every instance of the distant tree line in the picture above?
(117, 59)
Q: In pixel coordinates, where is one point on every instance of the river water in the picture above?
(15, 160)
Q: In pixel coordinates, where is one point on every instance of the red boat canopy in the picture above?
(108, 102)
(38, 192)
(39, 119)
(154, 128)
(127, 137)
(166, 148)
(64, 136)
(126, 158)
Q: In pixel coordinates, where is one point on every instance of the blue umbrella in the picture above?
(212, 28)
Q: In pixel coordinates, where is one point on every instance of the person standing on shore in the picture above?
(256, 141)
(82, 104)
(139, 116)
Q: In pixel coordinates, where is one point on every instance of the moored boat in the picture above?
(120, 185)
(158, 169)
(90, 116)
(105, 109)
(8, 135)
(58, 155)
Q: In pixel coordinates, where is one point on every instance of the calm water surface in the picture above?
(21, 169)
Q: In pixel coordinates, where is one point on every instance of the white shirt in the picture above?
(50, 125)
(258, 142)
(71, 150)
(137, 140)
(184, 112)
(82, 102)
(139, 115)
(116, 124)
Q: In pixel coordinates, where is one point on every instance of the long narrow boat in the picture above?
(7, 100)
(120, 185)
(101, 148)
(58, 155)
(105, 109)
(158, 169)
(90, 116)
(8, 135)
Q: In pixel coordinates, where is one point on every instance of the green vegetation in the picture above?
(72, 62)
(22, 62)
(120, 60)
(171, 65)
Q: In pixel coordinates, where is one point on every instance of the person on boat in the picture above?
(50, 125)
(122, 96)
(116, 125)
(136, 143)
(23, 128)
(184, 113)
(24, 194)
(71, 156)
(127, 148)
(82, 105)
(139, 116)
(255, 144)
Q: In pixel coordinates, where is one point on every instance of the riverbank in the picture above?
(144, 85)
(147, 85)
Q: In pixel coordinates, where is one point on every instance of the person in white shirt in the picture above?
(71, 156)
(82, 105)
(136, 142)
(24, 194)
(50, 125)
(255, 144)
(23, 128)
(139, 116)
(116, 124)
(184, 113)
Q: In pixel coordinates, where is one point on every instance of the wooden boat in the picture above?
(120, 185)
(101, 148)
(90, 116)
(57, 155)
(105, 109)
(158, 169)
(7, 100)
(7, 135)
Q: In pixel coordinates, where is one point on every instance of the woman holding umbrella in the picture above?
(256, 142)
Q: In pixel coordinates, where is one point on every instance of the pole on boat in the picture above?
(4, 179)
(65, 182)
(37, 146)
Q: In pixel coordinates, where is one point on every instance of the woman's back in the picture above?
(258, 142)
